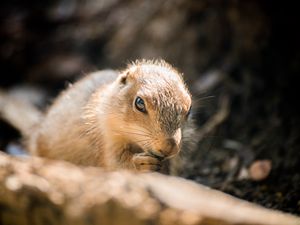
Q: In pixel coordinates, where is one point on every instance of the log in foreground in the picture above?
(38, 191)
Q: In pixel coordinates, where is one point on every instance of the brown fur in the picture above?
(95, 121)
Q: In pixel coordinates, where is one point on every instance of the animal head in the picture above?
(153, 104)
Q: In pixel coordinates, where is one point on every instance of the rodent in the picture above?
(129, 119)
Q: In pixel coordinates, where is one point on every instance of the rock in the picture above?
(260, 169)
(39, 191)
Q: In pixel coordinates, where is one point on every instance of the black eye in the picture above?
(140, 104)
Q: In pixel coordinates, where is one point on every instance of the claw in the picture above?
(157, 155)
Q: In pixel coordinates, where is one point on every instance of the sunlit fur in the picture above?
(107, 129)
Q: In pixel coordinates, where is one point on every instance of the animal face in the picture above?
(157, 104)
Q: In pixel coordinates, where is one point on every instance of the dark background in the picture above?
(246, 52)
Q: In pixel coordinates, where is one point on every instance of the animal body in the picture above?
(131, 119)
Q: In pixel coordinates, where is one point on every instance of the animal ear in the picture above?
(128, 74)
(124, 77)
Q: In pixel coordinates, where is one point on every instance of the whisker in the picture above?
(147, 145)
(146, 131)
(126, 132)
(205, 98)
(143, 141)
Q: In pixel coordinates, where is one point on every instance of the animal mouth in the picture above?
(156, 154)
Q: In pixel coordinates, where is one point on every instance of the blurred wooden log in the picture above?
(38, 191)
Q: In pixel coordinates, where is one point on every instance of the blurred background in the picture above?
(240, 60)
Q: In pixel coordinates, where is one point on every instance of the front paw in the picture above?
(146, 163)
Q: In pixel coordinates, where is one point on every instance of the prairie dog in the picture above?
(130, 119)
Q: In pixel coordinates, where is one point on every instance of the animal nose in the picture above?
(171, 142)
(170, 148)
